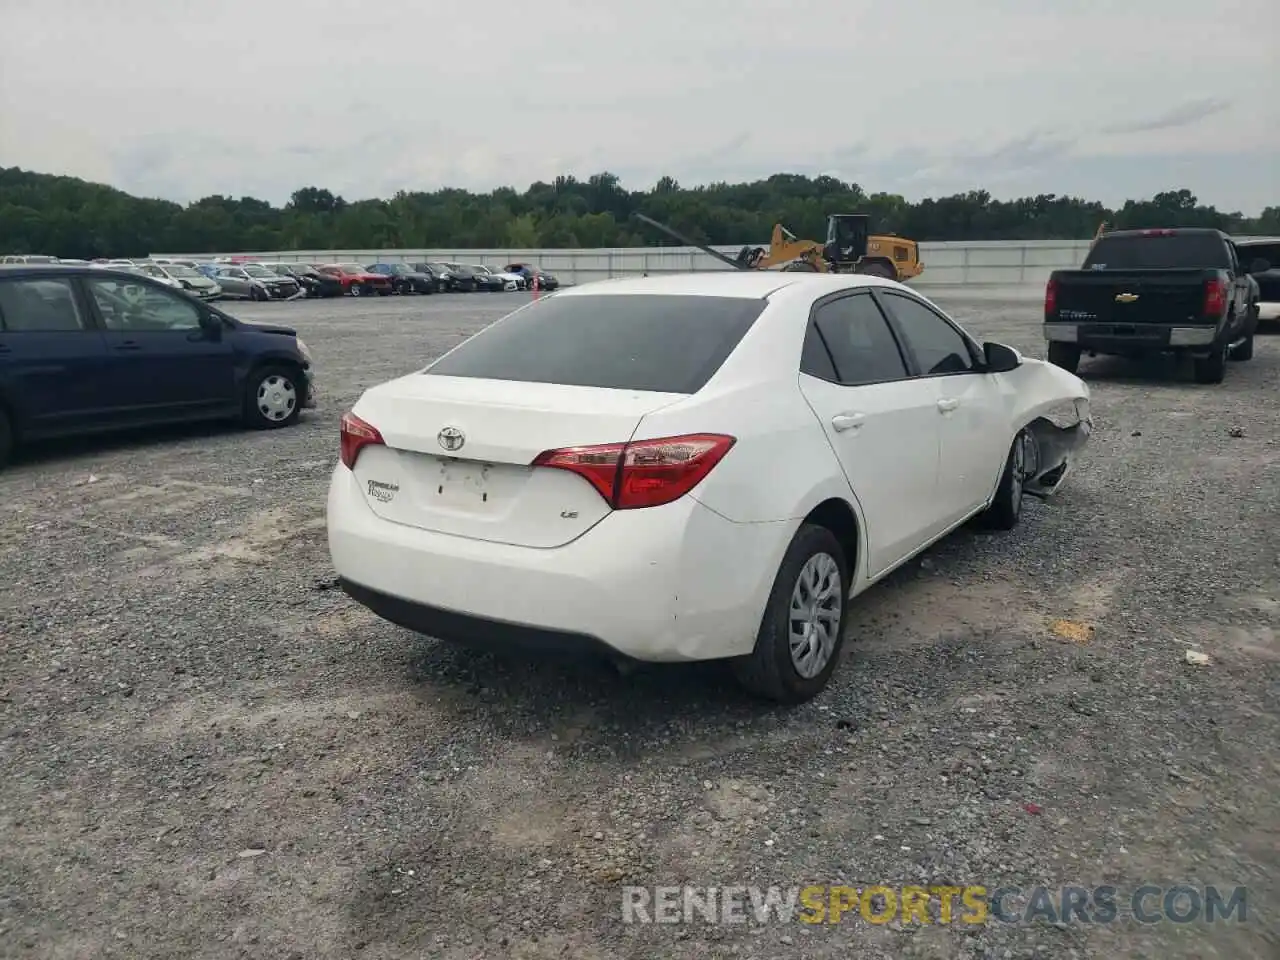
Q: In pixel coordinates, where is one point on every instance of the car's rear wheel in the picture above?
(1064, 355)
(1006, 509)
(273, 398)
(357, 290)
(801, 633)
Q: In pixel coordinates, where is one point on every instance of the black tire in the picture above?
(1213, 368)
(272, 410)
(799, 266)
(878, 269)
(1064, 355)
(1244, 351)
(6, 438)
(357, 290)
(257, 293)
(1006, 509)
(770, 670)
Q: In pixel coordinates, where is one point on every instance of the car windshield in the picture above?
(257, 270)
(438, 266)
(479, 269)
(177, 270)
(1158, 252)
(397, 268)
(351, 268)
(666, 344)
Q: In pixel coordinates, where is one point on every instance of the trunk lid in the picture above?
(485, 488)
(1132, 296)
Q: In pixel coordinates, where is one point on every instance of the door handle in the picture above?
(846, 421)
(947, 405)
(129, 345)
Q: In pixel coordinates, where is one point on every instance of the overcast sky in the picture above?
(1107, 99)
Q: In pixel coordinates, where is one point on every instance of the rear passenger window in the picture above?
(861, 346)
(39, 306)
(938, 346)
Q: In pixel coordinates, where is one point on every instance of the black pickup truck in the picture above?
(1155, 291)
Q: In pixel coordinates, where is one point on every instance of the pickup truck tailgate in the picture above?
(1131, 296)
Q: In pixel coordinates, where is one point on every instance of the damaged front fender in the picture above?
(1052, 408)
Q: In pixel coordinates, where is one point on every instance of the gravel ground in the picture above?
(209, 752)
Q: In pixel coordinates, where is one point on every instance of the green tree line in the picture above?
(69, 217)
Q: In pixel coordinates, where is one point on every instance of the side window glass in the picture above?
(814, 358)
(860, 341)
(142, 308)
(39, 306)
(938, 346)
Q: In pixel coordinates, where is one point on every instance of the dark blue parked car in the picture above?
(85, 350)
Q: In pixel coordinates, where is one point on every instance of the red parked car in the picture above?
(356, 280)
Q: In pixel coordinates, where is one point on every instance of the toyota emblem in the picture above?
(451, 438)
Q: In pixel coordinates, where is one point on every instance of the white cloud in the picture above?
(1015, 96)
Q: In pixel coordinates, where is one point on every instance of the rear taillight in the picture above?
(355, 435)
(1215, 297)
(1050, 297)
(645, 473)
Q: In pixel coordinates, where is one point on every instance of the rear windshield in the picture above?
(667, 344)
(1177, 250)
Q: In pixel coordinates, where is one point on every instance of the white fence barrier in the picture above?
(991, 263)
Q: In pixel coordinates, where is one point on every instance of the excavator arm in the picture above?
(783, 249)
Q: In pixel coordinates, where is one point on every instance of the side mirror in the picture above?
(1260, 266)
(211, 324)
(999, 358)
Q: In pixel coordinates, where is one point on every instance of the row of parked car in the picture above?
(242, 279)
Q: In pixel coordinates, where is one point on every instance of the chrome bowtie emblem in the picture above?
(451, 438)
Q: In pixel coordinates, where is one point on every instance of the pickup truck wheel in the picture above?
(1006, 509)
(1064, 355)
(6, 438)
(1245, 350)
(1213, 368)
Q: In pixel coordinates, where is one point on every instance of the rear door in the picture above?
(572, 371)
(970, 410)
(52, 358)
(164, 362)
(882, 424)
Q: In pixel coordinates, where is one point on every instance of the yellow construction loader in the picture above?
(850, 248)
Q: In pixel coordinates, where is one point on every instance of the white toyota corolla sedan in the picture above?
(689, 467)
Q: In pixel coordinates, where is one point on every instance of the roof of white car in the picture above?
(726, 283)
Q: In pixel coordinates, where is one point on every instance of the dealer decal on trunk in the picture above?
(383, 492)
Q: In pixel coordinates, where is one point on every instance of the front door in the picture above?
(973, 422)
(882, 425)
(164, 362)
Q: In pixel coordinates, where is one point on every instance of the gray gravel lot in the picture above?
(209, 752)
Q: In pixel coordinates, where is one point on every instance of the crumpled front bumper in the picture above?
(1054, 453)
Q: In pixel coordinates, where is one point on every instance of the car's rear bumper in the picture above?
(1125, 338)
(671, 583)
